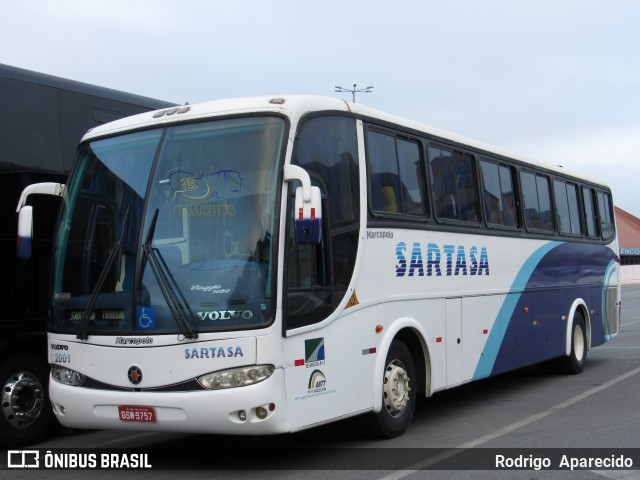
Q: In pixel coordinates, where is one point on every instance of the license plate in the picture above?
(129, 413)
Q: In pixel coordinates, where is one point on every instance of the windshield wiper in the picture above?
(176, 300)
(115, 252)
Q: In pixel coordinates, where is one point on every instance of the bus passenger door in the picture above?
(453, 339)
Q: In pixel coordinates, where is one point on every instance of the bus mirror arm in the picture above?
(293, 172)
(44, 188)
(308, 206)
(25, 214)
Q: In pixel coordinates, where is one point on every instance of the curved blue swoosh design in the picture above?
(492, 347)
(550, 280)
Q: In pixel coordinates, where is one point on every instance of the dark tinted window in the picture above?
(318, 275)
(498, 194)
(588, 201)
(453, 182)
(606, 215)
(567, 208)
(537, 201)
(395, 175)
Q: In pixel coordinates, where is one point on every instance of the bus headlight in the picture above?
(236, 377)
(66, 375)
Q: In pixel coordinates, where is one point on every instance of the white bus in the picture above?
(267, 265)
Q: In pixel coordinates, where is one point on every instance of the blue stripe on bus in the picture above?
(494, 342)
(530, 326)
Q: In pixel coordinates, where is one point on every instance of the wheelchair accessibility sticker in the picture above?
(146, 318)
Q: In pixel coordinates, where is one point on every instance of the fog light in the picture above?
(242, 415)
(261, 413)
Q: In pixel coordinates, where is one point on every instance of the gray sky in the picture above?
(553, 80)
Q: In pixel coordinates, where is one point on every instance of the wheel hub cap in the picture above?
(396, 388)
(22, 399)
(578, 342)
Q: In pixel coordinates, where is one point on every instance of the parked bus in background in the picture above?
(43, 121)
(267, 265)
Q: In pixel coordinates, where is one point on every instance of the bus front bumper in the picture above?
(251, 410)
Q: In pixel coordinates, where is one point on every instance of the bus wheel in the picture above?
(26, 415)
(398, 393)
(574, 363)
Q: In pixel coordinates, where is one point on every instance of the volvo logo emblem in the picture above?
(135, 375)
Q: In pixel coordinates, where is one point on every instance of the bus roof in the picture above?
(37, 78)
(296, 106)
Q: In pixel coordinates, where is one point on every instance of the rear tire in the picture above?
(399, 383)
(574, 363)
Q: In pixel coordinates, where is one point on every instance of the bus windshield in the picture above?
(170, 231)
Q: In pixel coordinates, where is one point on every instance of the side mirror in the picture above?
(308, 206)
(25, 214)
(25, 232)
(308, 221)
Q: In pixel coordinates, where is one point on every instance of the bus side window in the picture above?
(453, 180)
(309, 298)
(395, 175)
(318, 276)
(498, 194)
(567, 210)
(537, 201)
(588, 201)
(606, 216)
(410, 168)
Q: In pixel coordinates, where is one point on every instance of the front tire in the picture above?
(26, 416)
(398, 393)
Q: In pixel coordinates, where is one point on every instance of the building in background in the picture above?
(629, 245)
